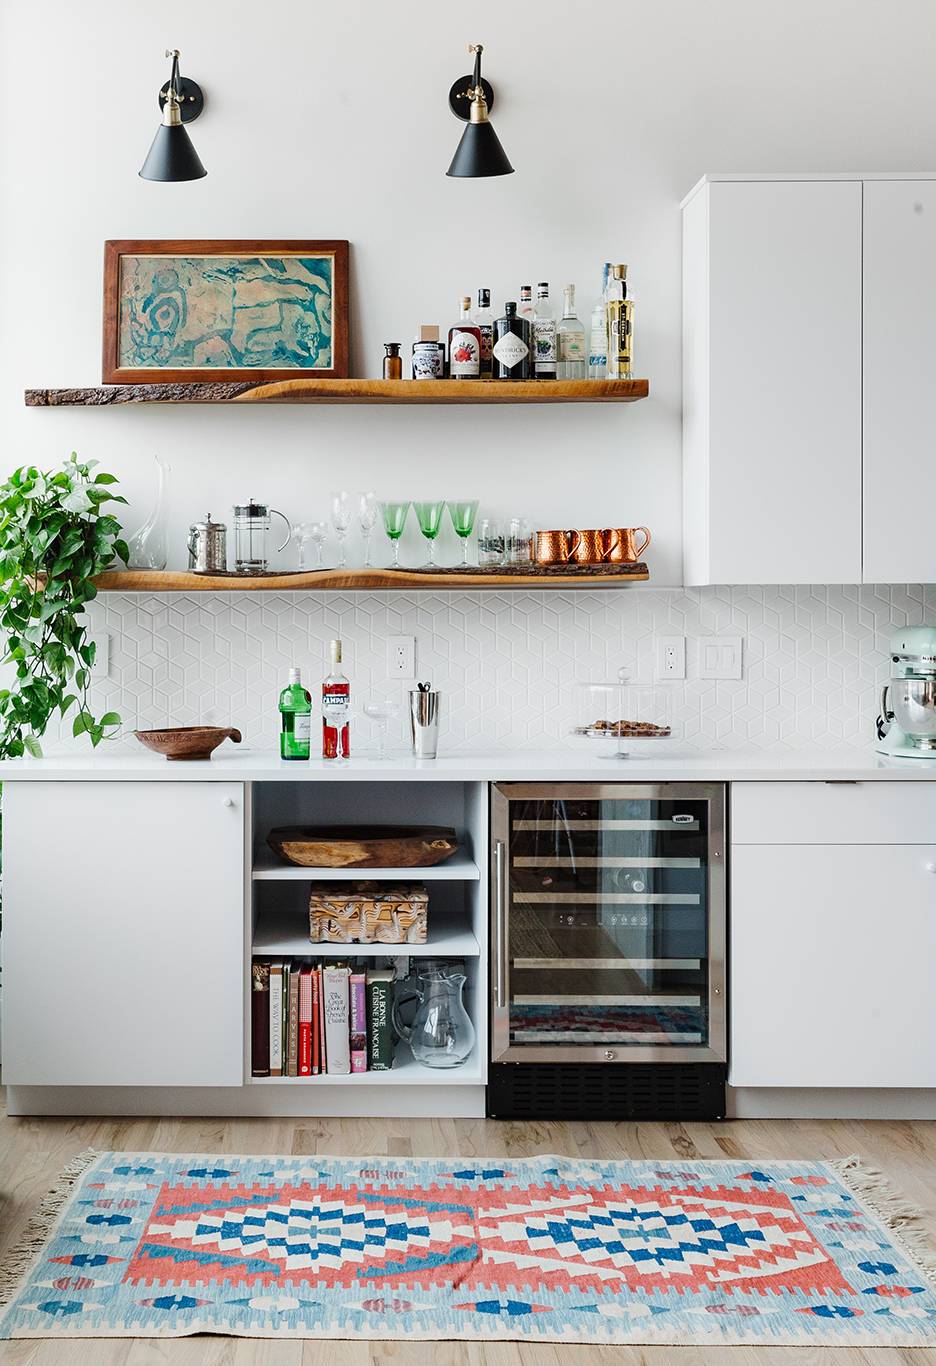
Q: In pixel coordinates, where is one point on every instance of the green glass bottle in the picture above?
(295, 706)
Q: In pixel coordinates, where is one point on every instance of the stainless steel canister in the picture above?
(207, 546)
(424, 723)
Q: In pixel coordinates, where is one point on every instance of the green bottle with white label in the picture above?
(295, 706)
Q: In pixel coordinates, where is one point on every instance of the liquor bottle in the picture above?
(295, 706)
(464, 345)
(484, 321)
(620, 327)
(526, 308)
(544, 335)
(572, 362)
(336, 702)
(511, 345)
(598, 343)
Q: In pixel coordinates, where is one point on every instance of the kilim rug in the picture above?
(545, 1249)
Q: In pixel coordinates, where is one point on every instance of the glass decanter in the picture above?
(441, 1034)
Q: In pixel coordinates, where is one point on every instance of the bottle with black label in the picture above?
(484, 321)
(511, 345)
(464, 345)
(544, 335)
(620, 326)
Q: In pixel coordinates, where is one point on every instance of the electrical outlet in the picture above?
(671, 657)
(101, 665)
(720, 656)
(401, 656)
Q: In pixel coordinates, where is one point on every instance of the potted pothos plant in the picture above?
(53, 539)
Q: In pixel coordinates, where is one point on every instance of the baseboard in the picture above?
(277, 1102)
(816, 1102)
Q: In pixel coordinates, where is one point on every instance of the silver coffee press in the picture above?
(207, 546)
(252, 523)
(424, 721)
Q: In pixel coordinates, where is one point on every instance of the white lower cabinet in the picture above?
(123, 933)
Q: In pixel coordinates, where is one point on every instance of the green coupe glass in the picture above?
(394, 520)
(463, 520)
(429, 516)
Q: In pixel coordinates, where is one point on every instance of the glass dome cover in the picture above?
(621, 714)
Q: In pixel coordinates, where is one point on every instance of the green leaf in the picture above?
(33, 746)
(80, 723)
(110, 718)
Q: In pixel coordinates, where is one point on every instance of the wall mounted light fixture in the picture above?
(479, 153)
(172, 156)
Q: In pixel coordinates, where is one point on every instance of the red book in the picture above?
(316, 1025)
(305, 1020)
(323, 1052)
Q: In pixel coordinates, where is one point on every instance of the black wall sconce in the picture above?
(172, 156)
(479, 153)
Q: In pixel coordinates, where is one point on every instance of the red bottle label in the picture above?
(336, 730)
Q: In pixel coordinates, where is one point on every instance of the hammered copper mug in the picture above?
(556, 547)
(590, 548)
(619, 544)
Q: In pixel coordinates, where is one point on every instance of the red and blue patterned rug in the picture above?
(545, 1249)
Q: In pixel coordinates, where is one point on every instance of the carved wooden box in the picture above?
(368, 913)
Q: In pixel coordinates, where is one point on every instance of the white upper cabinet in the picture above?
(900, 381)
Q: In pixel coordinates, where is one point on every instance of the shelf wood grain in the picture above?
(355, 580)
(348, 391)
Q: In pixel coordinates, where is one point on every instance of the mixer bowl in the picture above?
(913, 701)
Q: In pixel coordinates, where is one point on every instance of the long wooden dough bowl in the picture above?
(363, 846)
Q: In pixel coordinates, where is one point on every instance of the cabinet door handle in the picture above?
(500, 925)
(228, 801)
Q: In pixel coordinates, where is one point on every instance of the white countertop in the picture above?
(232, 763)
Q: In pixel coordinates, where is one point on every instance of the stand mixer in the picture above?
(906, 727)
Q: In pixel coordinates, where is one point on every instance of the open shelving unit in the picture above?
(268, 867)
(352, 580)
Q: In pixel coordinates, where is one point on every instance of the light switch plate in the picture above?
(720, 656)
(671, 657)
(401, 656)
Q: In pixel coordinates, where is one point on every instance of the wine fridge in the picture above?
(608, 975)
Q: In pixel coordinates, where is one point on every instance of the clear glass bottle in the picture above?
(598, 338)
(336, 703)
(484, 321)
(573, 357)
(620, 326)
(295, 706)
(464, 345)
(544, 335)
(511, 345)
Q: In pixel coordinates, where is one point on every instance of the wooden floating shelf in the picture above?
(411, 391)
(350, 580)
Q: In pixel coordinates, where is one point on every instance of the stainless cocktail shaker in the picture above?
(424, 723)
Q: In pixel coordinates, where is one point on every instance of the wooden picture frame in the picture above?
(170, 320)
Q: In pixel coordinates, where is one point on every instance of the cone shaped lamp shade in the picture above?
(479, 153)
(172, 156)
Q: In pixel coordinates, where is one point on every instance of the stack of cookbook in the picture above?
(311, 1017)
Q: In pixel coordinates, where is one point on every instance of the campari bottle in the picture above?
(336, 704)
(464, 346)
(295, 706)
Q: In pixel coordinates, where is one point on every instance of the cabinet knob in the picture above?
(229, 801)
(931, 867)
(609, 1055)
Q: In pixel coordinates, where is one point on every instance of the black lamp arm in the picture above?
(174, 79)
(476, 78)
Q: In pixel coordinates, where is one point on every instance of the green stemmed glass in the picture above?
(429, 517)
(394, 520)
(463, 520)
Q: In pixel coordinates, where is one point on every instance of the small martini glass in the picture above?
(394, 520)
(429, 517)
(463, 520)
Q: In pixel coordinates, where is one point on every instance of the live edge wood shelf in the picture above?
(348, 580)
(349, 391)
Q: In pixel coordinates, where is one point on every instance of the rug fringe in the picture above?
(18, 1261)
(900, 1216)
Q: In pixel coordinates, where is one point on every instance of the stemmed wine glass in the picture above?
(302, 534)
(429, 516)
(341, 520)
(317, 533)
(381, 710)
(394, 520)
(463, 520)
(367, 520)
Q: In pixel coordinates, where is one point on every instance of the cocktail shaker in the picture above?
(424, 723)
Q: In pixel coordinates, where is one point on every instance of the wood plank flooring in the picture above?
(32, 1152)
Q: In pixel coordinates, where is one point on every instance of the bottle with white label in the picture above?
(464, 346)
(544, 335)
(295, 706)
(336, 704)
(511, 345)
(598, 344)
(573, 358)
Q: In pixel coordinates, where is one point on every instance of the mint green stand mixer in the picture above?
(906, 727)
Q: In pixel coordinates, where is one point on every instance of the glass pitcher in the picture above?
(251, 528)
(441, 1034)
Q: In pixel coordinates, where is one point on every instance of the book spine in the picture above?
(284, 1016)
(316, 1020)
(305, 1022)
(323, 1052)
(293, 1056)
(358, 1023)
(380, 1038)
(260, 1018)
(276, 1018)
(337, 1036)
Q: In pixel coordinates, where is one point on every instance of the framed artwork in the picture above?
(180, 312)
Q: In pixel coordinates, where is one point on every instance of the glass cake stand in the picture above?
(618, 715)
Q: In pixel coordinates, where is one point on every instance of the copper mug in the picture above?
(590, 548)
(556, 547)
(619, 544)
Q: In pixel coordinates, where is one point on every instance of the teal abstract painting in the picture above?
(225, 312)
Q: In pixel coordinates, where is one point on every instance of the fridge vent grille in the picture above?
(678, 1091)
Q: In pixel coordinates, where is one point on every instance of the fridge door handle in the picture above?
(500, 925)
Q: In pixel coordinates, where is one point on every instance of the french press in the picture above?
(251, 528)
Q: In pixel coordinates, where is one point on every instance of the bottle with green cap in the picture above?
(295, 706)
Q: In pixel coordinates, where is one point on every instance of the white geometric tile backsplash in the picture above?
(814, 659)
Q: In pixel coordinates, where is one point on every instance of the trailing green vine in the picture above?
(53, 540)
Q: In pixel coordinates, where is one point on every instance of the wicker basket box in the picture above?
(368, 913)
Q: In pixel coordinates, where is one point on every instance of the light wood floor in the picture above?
(32, 1151)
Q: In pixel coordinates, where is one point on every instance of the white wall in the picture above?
(610, 111)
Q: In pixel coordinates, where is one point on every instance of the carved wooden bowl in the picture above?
(363, 846)
(187, 742)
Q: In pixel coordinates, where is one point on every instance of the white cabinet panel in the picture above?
(124, 934)
(833, 813)
(833, 966)
(772, 376)
(900, 391)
